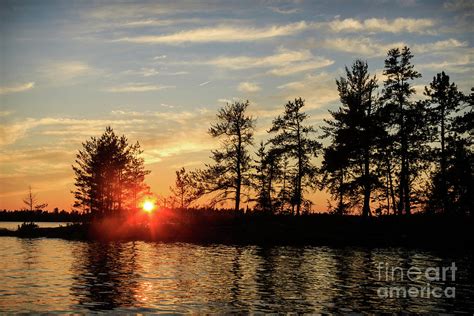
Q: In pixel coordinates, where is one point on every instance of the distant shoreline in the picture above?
(415, 231)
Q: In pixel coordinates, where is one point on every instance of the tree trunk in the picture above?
(283, 188)
(367, 185)
(407, 189)
(367, 189)
(341, 194)
(403, 157)
(300, 173)
(443, 164)
(390, 186)
(238, 181)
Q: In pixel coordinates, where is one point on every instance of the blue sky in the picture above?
(158, 71)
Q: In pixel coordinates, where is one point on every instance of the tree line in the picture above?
(388, 153)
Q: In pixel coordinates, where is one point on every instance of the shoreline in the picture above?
(386, 231)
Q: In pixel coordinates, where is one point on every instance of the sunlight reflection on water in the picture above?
(72, 276)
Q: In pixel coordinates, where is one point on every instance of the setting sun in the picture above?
(148, 206)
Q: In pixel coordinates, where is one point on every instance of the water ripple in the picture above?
(70, 276)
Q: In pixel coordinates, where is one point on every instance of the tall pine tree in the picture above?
(230, 172)
(444, 100)
(293, 140)
(109, 175)
(355, 131)
(397, 93)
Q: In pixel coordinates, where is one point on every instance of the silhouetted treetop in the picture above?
(109, 175)
(230, 171)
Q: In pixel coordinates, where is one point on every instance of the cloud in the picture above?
(284, 11)
(364, 46)
(16, 88)
(159, 57)
(49, 145)
(67, 72)
(159, 22)
(182, 117)
(147, 125)
(223, 100)
(248, 87)
(457, 5)
(301, 67)
(148, 72)
(204, 83)
(318, 90)
(11, 132)
(443, 45)
(144, 71)
(361, 46)
(173, 149)
(376, 25)
(461, 64)
(70, 69)
(142, 10)
(282, 57)
(284, 62)
(5, 113)
(176, 73)
(138, 88)
(220, 33)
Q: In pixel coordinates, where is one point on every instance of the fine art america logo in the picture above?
(417, 282)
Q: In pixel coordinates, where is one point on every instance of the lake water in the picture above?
(74, 276)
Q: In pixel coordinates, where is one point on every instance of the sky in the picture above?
(158, 71)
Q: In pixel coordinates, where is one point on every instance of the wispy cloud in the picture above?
(318, 62)
(135, 10)
(67, 72)
(176, 73)
(159, 22)
(456, 5)
(284, 10)
(159, 57)
(138, 88)
(366, 46)
(204, 83)
(438, 46)
(5, 113)
(16, 88)
(144, 71)
(69, 69)
(362, 46)
(147, 123)
(221, 33)
(461, 64)
(46, 164)
(282, 57)
(284, 62)
(237, 33)
(233, 99)
(248, 87)
(318, 90)
(223, 100)
(398, 25)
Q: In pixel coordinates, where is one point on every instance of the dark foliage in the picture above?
(230, 173)
(293, 141)
(109, 175)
